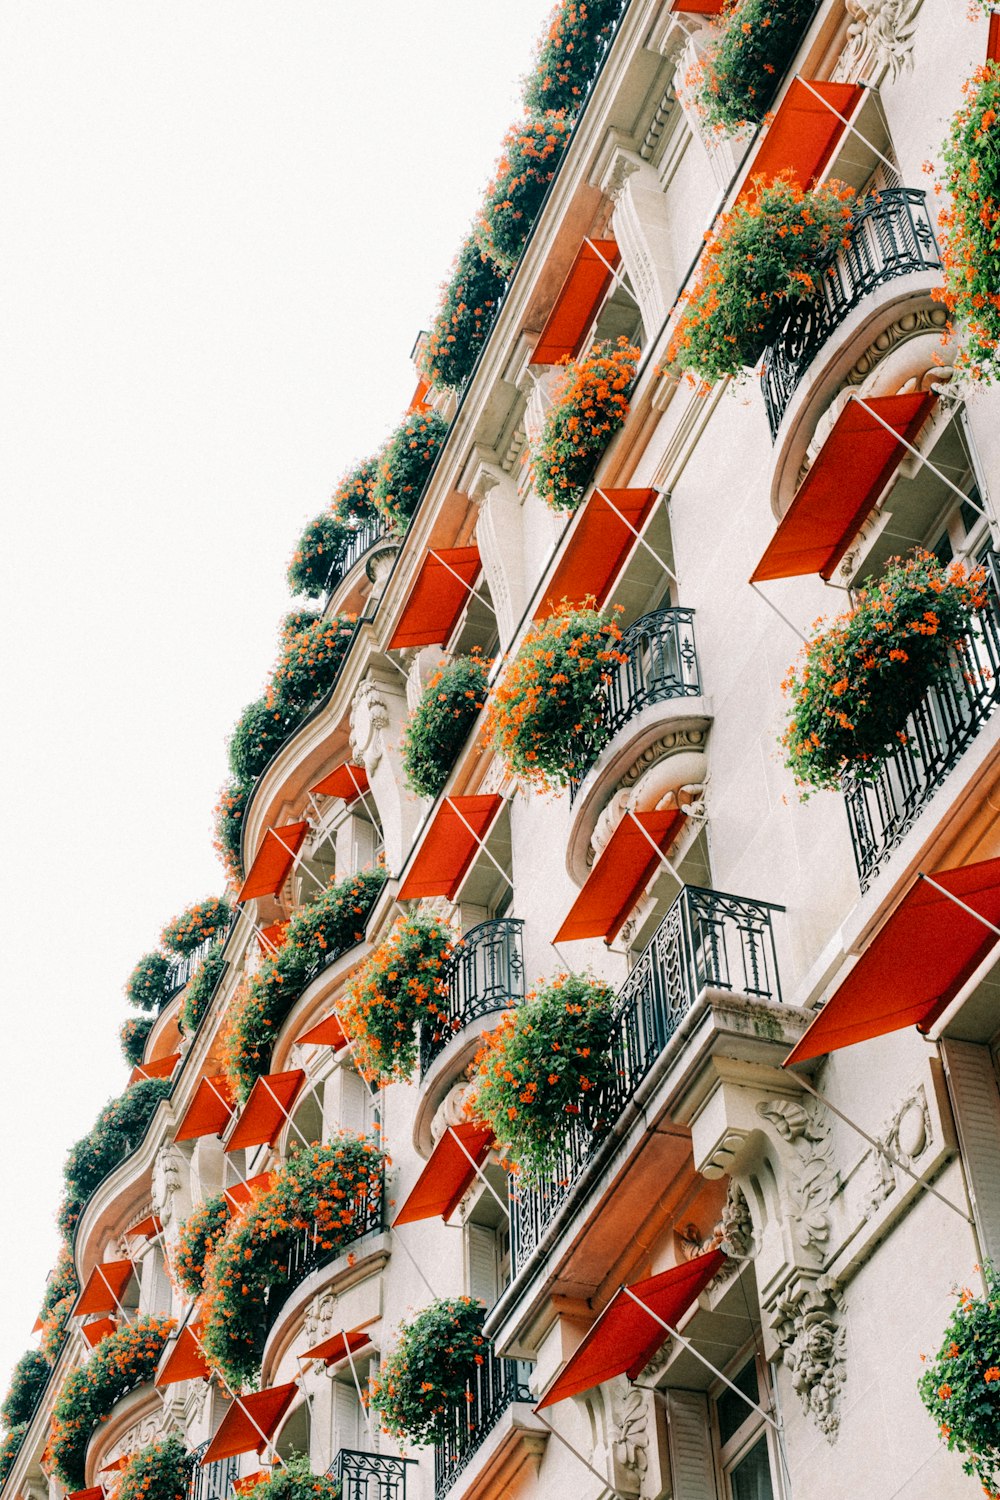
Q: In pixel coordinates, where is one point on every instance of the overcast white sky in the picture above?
(222, 225)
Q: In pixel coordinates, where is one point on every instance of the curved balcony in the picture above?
(369, 1476)
(892, 236)
(362, 541)
(183, 968)
(496, 1385)
(213, 1482)
(486, 975)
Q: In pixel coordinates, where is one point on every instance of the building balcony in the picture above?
(707, 940)
(892, 236)
(365, 539)
(214, 1481)
(496, 1386)
(883, 805)
(368, 1476)
(183, 968)
(485, 976)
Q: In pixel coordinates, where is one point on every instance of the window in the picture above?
(487, 1244)
(747, 1453)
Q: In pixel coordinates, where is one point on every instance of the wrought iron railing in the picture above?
(661, 664)
(884, 803)
(892, 235)
(183, 968)
(213, 1481)
(706, 940)
(485, 975)
(367, 536)
(370, 1476)
(496, 1384)
(322, 958)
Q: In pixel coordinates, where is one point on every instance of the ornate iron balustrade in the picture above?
(496, 1384)
(707, 939)
(883, 804)
(367, 536)
(486, 974)
(662, 663)
(369, 1476)
(324, 957)
(183, 968)
(892, 236)
(214, 1481)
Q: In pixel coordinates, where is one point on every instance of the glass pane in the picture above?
(733, 1410)
(751, 1478)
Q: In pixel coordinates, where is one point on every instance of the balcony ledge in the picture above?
(365, 1258)
(122, 1422)
(117, 1200)
(516, 1442)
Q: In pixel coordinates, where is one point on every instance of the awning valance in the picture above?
(346, 781)
(161, 1068)
(437, 597)
(575, 308)
(620, 874)
(448, 1174)
(326, 1033)
(274, 859)
(250, 1423)
(626, 1336)
(210, 1110)
(146, 1229)
(915, 965)
(99, 1329)
(104, 1288)
(342, 1345)
(449, 845)
(599, 541)
(993, 39)
(848, 475)
(266, 1110)
(184, 1358)
(801, 137)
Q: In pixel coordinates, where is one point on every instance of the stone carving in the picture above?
(318, 1322)
(369, 721)
(906, 1137)
(148, 1430)
(812, 1343)
(880, 38)
(623, 165)
(630, 1432)
(813, 1185)
(670, 773)
(733, 1233)
(451, 1111)
(166, 1183)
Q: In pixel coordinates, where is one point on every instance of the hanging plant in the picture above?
(10, 1447)
(149, 985)
(121, 1361)
(470, 301)
(116, 1132)
(258, 735)
(430, 1370)
(440, 724)
(28, 1380)
(159, 1471)
(961, 1386)
(405, 464)
(546, 715)
(311, 656)
(352, 500)
(741, 73)
(316, 935)
(132, 1036)
(295, 1480)
(200, 989)
(323, 1194)
(760, 260)
(229, 811)
(402, 983)
(857, 682)
(569, 58)
(199, 1238)
(547, 1065)
(206, 919)
(530, 155)
(61, 1292)
(970, 250)
(320, 548)
(589, 404)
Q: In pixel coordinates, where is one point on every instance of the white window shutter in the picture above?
(484, 1279)
(975, 1100)
(691, 1464)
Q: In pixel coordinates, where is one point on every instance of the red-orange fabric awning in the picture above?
(38, 1325)
(331, 1351)
(98, 1329)
(346, 781)
(848, 475)
(275, 857)
(449, 846)
(326, 1033)
(597, 546)
(915, 965)
(993, 40)
(94, 1493)
(249, 1482)
(146, 1229)
(105, 1288)
(697, 7)
(161, 1068)
(624, 868)
(448, 1174)
(575, 308)
(250, 1422)
(272, 939)
(803, 133)
(266, 1109)
(210, 1110)
(185, 1360)
(437, 597)
(117, 1464)
(239, 1194)
(626, 1336)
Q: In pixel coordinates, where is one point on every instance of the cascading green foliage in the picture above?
(401, 985)
(229, 811)
(117, 1131)
(204, 920)
(320, 546)
(159, 1471)
(405, 465)
(60, 1293)
(199, 1238)
(439, 725)
(570, 54)
(470, 301)
(757, 40)
(430, 1370)
(10, 1446)
(148, 985)
(961, 1385)
(969, 220)
(201, 988)
(530, 155)
(132, 1035)
(27, 1382)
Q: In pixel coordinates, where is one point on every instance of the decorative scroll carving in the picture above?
(812, 1187)
(907, 1136)
(880, 39)
(812, 1343)
(630, 1432)
(369, 721)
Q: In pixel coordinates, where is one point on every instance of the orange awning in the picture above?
(266, 1109)
(448, 846)
(38, 1324)
(98, 1329)
(437, 597)
(915, 965)
(626, 1336)
(803, 133)
(575, 308)
(117, 1464)
(94, 1493)
(327, 1033)
(239, 1195)
(275, 857)
(418, 401)
(448, 1174)
(848, 475)
(250, 1422)
(249, 1482)
(210, 1110)
(161, 1068)
(993, 40)
(184, 1360)
(597, 546)
(697, 7)
(146, 1229)
(272, 939)
(618, 877)
(105, 1288)
(331, 1351)
(346, 781)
